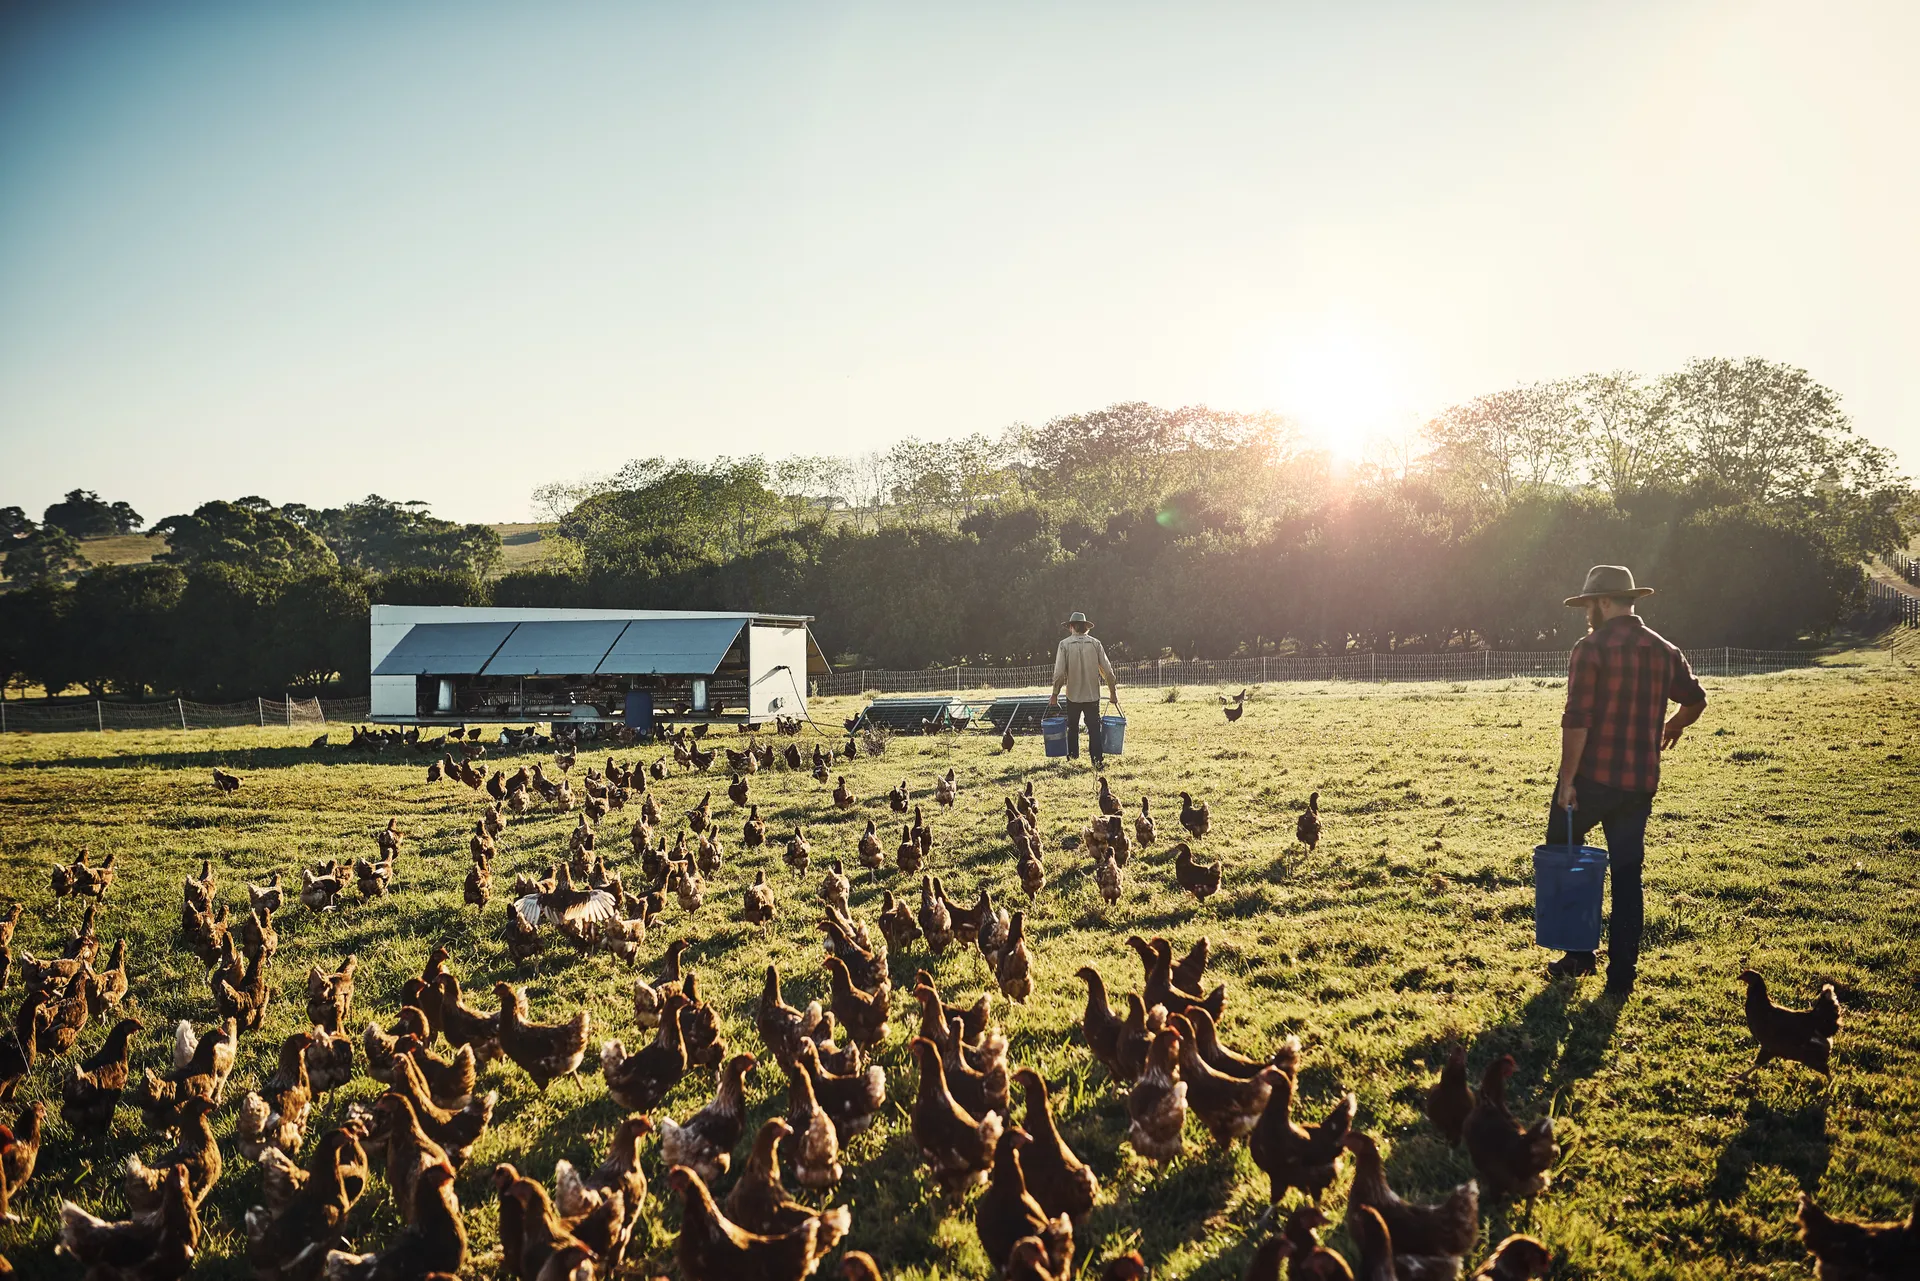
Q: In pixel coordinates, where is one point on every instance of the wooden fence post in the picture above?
(260, 706)
(180, 705)
(99, 717)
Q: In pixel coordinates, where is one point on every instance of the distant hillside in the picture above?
(523, 546)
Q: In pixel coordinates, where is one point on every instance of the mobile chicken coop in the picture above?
(452, 664)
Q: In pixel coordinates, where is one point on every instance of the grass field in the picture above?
(522, 546)
(1788, 831)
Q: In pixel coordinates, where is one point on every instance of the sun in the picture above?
(1342, 386)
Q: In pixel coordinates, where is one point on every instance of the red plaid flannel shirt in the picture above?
(1619, 681)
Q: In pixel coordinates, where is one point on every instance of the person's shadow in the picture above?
(1555, 1040)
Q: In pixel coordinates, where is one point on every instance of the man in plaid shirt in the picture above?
(1620, 679)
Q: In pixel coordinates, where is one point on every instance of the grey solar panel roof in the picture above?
(444, 649)
(679, 646)
(555, 648)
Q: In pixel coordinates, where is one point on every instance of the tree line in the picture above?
(1738, 488)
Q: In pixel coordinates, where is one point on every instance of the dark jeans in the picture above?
(1096, 732)
(1623, 817)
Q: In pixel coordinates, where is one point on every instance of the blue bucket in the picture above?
(1113, 734)
(1569, 887)
(1053, 733)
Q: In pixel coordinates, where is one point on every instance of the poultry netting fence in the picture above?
(66, 716)
(28, 717)
(1465, 665)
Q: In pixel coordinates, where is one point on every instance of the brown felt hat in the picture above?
(1608, 580)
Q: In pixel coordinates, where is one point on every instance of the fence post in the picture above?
(1373, 665)
(289, 702)
(180, 706)
(1263, 669)
(260, 706)
(99, 717)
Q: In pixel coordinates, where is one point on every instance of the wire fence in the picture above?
(1890, 602)
(1467, 665)
(1905, 566)
(1464, 665)
(174, 713)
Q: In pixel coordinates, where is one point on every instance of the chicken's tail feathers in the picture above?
(184, 1044)
(990, 1128)
(342, 1266)
(1826, 1010)
(74, 1221)
(1287, 1056)
(570, 1196)
(834, 1224)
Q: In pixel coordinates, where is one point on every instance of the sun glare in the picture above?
(1341, 386)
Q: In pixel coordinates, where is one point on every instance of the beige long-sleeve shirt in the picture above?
(1081, 665)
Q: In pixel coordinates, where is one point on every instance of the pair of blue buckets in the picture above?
(1113, 735)
(1569, 886)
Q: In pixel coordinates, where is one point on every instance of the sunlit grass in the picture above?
(1788, 832)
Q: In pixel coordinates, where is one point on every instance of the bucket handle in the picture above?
(1573, 843)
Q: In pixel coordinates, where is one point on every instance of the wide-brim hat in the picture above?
(1608, 580)
(1079, 619)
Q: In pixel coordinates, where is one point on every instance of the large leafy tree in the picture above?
(665, 516)
(1757, 430)
(85, 514)
(384, 537)
(116, 627)
(46, 555)
(248, 533)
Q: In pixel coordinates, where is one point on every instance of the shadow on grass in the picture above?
(1794, 1141)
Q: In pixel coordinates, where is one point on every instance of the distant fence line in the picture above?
(1905, 566)
(1485, 664)
(1887, 600)
(176, 713)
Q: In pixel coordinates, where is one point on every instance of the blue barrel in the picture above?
(1053, 732)
(640, 712)
(1113, 734)
(1569, 886)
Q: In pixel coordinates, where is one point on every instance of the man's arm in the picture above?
(1583, 697)
(1113, 678)
(1685, 690)
(1573, 745)
(1678, 722)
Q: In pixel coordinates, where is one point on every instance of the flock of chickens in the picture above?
(1029, 1190)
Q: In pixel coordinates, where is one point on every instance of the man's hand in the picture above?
(1054, 702)
(1678, 722)
(1564, 796)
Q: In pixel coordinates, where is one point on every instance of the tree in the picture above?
(84, 514)
(14, 523)
(249, 533)
(1626, 443)
(116, 627)
(1760, 431)
(384, 537)
(664, 516)
(553, 500)
(43, 556)
(1501, 443)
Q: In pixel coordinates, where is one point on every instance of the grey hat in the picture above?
(1608, 580)
(1078, 617)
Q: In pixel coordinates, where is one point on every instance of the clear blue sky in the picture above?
(449, 250)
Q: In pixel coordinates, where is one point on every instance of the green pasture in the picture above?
(1787, 833)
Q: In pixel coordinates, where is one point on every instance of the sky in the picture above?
(450, 251)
